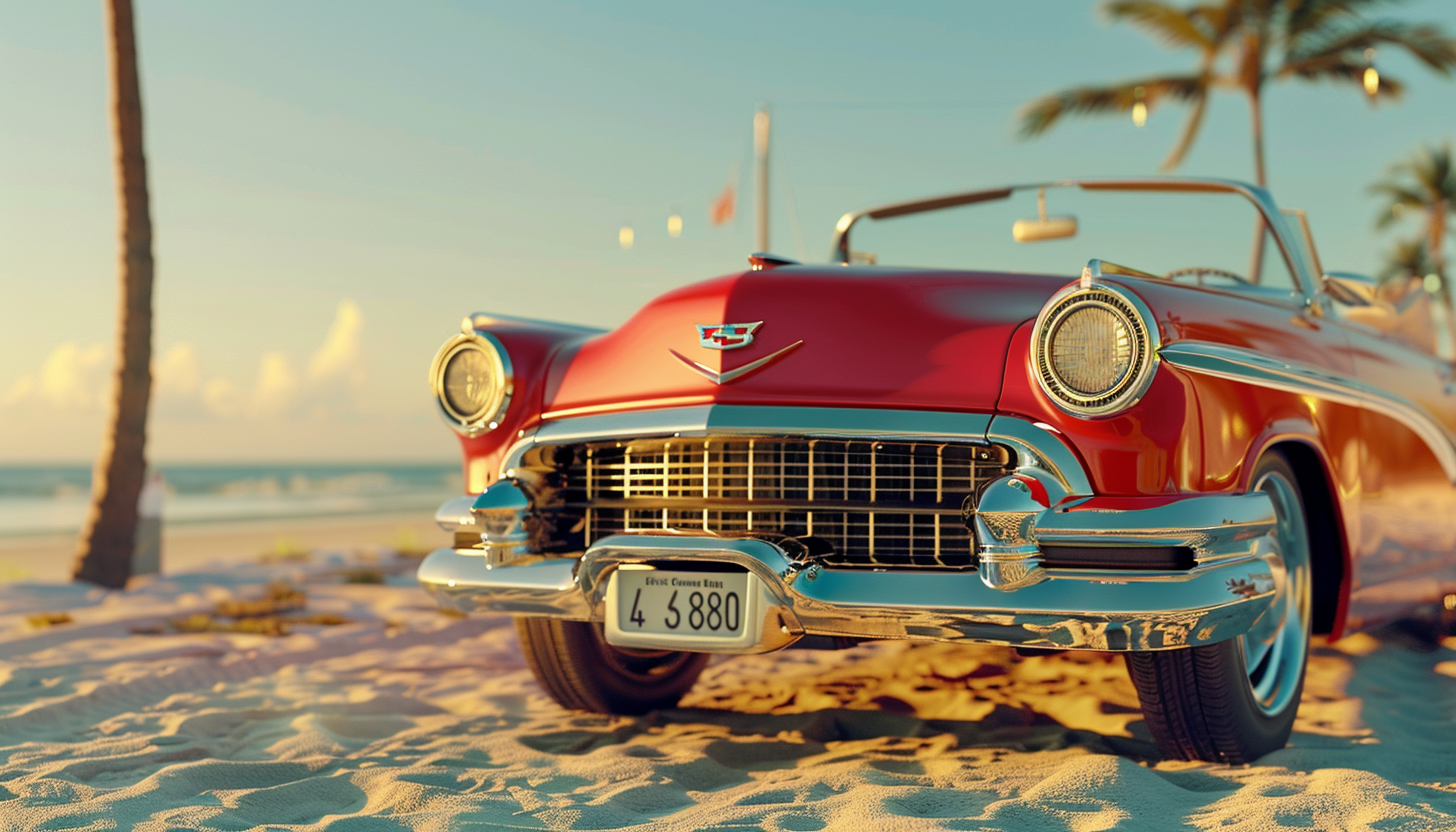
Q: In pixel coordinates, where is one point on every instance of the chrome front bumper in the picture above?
(1014, 598)
(1070, 609)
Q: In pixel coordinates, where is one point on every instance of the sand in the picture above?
(406, 718)
(187, 546)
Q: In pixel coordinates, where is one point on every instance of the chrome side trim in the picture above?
(1250, 367)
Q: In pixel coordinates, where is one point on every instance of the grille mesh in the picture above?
(874, 503)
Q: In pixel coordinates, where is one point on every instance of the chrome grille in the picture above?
(872, 503)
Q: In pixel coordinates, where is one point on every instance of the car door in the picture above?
(1407, 547)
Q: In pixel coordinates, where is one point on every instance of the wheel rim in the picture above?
(1276, 646)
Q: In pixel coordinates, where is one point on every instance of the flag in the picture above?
(723, 206)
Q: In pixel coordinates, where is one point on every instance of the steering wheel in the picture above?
(1200, 271)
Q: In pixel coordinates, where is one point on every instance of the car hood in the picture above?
(829, 336)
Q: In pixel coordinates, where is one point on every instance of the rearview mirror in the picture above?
(1043, 227)
(1051, 228)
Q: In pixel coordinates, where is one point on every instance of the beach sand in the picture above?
(406, 718)
(48, 558)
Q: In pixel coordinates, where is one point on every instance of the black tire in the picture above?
(576, 666)
(1204, 703)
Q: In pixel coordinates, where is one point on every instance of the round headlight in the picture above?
(1093, 350)
(471, 378)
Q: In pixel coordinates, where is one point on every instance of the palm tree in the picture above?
(1422, 186)
(105, 551)
(1263, 41)
(1407, 260)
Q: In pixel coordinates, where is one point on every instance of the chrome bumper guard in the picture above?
(1068, 609)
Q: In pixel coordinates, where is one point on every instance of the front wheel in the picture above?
(1235, 701)
(576, 666)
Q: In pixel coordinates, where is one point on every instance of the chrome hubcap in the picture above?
(1276, 646)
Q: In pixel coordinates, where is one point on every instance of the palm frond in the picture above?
(1219, 19)
(1173, 26)
(1040, 115)
(1408, 259)
(1347, 71)
(1400, 201)
(1428, 43)
(1312, 17)
(1188, 134)
(1429, 174)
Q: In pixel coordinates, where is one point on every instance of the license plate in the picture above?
(676, 608)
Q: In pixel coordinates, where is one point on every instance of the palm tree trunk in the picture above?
(105, 551)
(1256, 121)
(1256, 118)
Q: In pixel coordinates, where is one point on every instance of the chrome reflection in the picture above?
(500, 514)
(1276, 645)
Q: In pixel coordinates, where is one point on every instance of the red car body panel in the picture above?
(925, 340)
(960, 341)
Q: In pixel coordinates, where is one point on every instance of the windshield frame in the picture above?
(1274, 219)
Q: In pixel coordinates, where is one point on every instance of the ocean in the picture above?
(53, 499)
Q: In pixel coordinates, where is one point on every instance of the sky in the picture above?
(336, 184)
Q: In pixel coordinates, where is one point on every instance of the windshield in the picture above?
(1213, 238)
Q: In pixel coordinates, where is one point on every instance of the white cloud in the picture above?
(276, 386)
(21, 390)
(75, 379)
(72, 378)
(339, 357)
(175, 373)
(222, 397)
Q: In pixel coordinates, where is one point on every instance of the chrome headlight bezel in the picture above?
(1142, 330)
(487, 417)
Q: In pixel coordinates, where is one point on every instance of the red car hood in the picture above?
(833, 336)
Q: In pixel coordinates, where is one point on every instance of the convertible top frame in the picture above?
(1273, 217)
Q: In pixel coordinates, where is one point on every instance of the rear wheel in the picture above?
(1235, 701)
(576, 666)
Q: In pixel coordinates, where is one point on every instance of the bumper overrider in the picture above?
(1056, 568)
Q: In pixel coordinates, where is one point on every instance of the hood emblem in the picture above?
(739, 372)
(727, 336)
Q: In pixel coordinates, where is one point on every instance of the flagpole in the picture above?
(760, 205)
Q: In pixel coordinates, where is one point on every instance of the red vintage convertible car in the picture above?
(1198, 459)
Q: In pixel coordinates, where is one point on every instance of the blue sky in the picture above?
(335, 184)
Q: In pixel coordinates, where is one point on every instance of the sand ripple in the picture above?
(408, 719)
